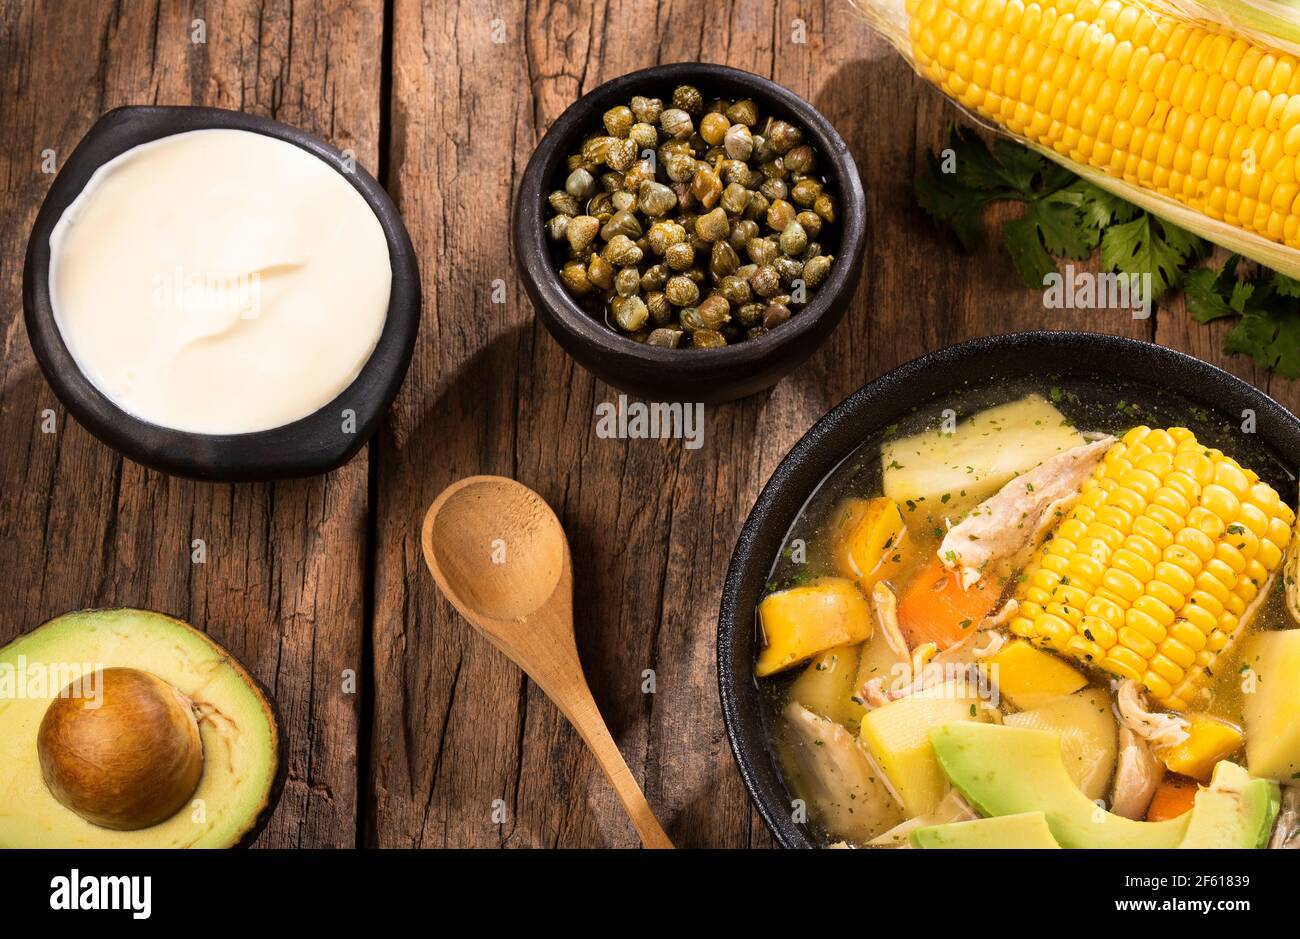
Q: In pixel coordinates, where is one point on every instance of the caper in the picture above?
(627, 282)
(556, 225)
(642, 171)
(579, 184)
(755, 333)
(655, 199)
(750, 314)
(647, 110)
(713, 226)
(611, 182)
(790, 269)
(763, 151)
(742, 230)
(622, 251)
(575, 278)
(629, 313)
(766, 282)
(723, 260)
(714, 311)
(623, 201)
(621, 154)
(825, 207)
(793, 239)
(600, 272)
(562, 202)
(816, 269)
(665, 338)
(686, 202)
(594, 149)
(734, 199)
(736, 171)
(779, 214)
(679, 167)
(739, 142)
(654, 278)
(744, 111)
(773, 169)
(774, 189)
(811, 222)
(676, 123)
(708, 339)
(582, 231)
(644, 136)
(601, 207)
(805, 192)
(736, 290)
(661, 311)
(775, 315)
(681, 290)
(784, 137)
(663, 235)
(761, 251)
(680, 256)
(713, 127)
(688, 99)
(758, 205)
(619, 120)
(706, 187)
(801, 160)
(621, 223)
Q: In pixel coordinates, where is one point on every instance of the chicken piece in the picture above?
(952, 808)
(1137, 773)
(1019, 514)
(1286, 834)
(1158, 728)
(835, 775)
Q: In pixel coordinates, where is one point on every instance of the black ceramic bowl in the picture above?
(316, 443)
(686, 374)
(889, 399)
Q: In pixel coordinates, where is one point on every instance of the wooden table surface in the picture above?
(443, 742)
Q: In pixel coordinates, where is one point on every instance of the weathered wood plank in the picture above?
(284, 577)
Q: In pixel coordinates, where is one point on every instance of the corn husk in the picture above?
(1271, 23)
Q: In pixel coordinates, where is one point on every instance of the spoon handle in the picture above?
(586, 719)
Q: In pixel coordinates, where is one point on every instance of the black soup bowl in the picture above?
(314, 444)
(707, 375)
(1077, 356)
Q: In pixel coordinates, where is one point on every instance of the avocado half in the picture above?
(243, 756)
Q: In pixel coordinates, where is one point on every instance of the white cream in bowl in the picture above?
(219, 281)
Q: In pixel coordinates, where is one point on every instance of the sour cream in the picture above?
(219, 281)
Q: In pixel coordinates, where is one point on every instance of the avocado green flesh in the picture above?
(1026, 830)
(1004, 770)
(1240, 817)
(240, 738)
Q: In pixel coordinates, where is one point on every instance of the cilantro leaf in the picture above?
(1148, 245)
(1269, 336)
(1027, 252)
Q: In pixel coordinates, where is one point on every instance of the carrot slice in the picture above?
(1173, 797)
(935, 608)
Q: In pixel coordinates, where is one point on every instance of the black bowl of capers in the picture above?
(690, 232)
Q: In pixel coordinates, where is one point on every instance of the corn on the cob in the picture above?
(1192, 121)
(1151, 574)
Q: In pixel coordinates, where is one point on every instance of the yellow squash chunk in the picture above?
(979, 456)
(898, 736)
(1272, 709)
(1208, 741)
(800, 622)
(1089, 736)
(1028, 677)
(827, 686)
(869, 535)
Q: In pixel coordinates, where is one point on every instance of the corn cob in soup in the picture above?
(1055, 588)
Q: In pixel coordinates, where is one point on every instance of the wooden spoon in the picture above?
(498, 553)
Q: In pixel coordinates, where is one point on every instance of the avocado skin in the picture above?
(270, 708)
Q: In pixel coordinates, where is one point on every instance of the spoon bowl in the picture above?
(499, 554)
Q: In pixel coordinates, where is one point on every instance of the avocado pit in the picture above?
(122, 750)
